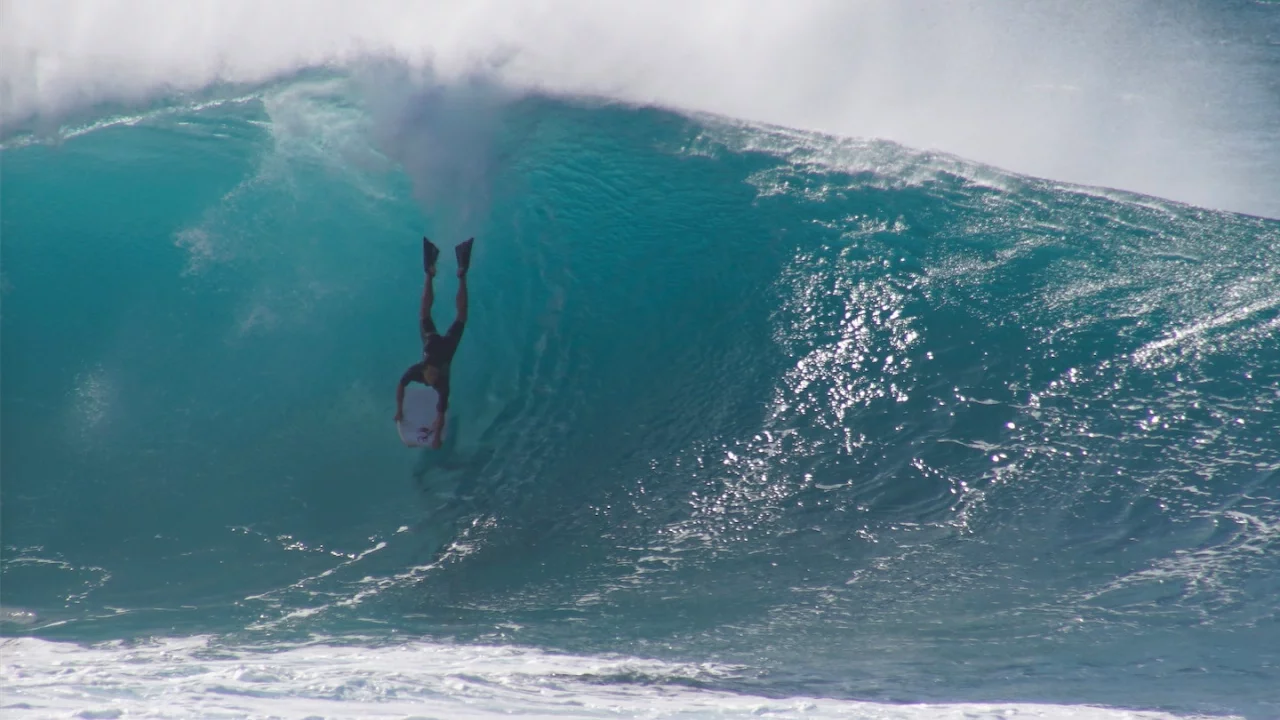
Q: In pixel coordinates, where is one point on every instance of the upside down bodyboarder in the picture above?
(437, 349)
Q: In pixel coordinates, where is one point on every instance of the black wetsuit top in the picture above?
(437, 351)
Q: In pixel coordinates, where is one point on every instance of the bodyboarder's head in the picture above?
(430, 373)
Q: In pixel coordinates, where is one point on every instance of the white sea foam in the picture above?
(1095, 92)
(193, 677)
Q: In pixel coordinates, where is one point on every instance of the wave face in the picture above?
(845, 419)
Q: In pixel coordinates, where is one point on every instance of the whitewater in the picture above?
(845, 360)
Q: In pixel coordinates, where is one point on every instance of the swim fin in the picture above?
(463, 251)
(430, 253)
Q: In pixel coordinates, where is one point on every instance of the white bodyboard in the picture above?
(419, 415)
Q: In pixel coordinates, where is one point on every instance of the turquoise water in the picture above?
(743, 414)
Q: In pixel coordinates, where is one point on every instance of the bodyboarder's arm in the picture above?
(439, 429)
(442, 404)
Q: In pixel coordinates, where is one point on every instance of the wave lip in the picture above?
(1059, 90)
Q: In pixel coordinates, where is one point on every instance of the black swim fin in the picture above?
(430, 253)
(463, 251)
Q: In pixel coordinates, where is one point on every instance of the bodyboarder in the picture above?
(437, 349)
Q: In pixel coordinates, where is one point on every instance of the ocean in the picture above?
(934, 375)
